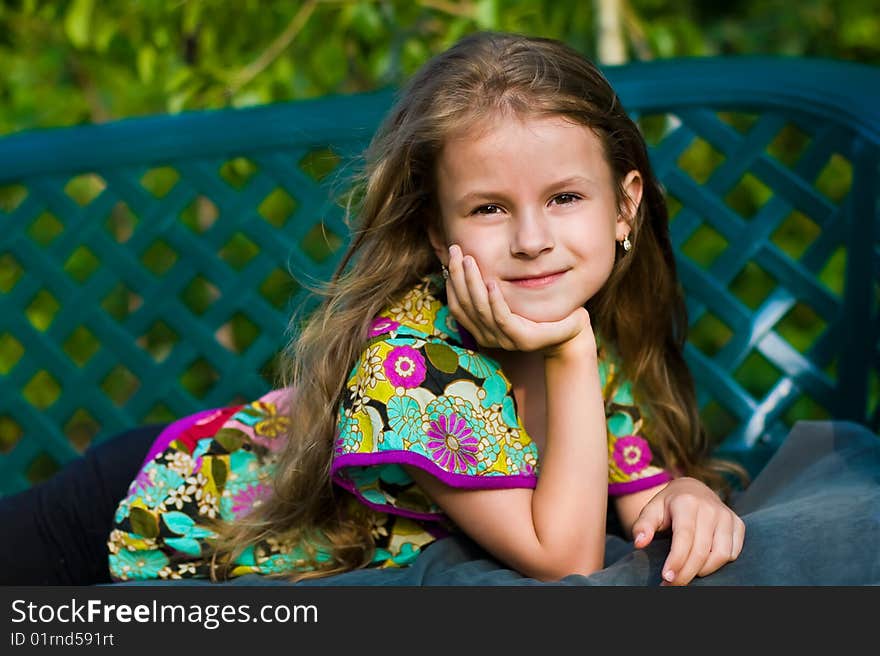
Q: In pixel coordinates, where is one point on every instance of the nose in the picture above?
(531, 234)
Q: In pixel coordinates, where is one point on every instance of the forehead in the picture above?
(509, 149)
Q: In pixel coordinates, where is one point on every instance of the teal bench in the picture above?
(149, 267)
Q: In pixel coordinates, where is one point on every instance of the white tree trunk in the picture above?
(609, 27)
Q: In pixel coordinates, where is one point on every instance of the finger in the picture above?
(701, 545)
(722, 546)
(459, 314)
(501, 314)
(652, 519)
(458, 297)
(477, 291)
(682, 540)
(739, 536)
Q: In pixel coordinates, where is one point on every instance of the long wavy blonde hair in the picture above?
(391, 205)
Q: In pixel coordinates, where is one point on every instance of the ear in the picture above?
(632, 192)
(438, 241)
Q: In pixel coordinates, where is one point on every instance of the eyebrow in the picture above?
(474, 196)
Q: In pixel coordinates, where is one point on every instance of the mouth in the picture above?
(537, 281)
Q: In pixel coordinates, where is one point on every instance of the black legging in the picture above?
(55, 533)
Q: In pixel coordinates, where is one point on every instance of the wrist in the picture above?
(581, 346)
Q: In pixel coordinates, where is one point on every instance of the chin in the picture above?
(543, 312)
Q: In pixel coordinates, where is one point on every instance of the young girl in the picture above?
(499, 352)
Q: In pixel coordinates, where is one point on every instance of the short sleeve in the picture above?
(426, 402)
(632, 465)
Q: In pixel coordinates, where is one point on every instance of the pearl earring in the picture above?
(627, 244)
(445, 272)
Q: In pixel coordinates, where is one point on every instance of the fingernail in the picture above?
(640, 537)
(452, 249)
(669, 575)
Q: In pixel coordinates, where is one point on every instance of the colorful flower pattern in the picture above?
(420, 393)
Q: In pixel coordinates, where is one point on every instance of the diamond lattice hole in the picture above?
(238, 333)
(831, 369)
(158, 341)
(705, 245)
(278, 288)
(272, 368)
(83, 189)
(159, 414)
(805, 408)
(199, 294)
(833, 274)
(752, 285)
(740, 121)
(789, 144)
(238, 172)
(277, 207)
(11, 197)
(709, 334)
(673, 206)
(159, 257)
(873, 393)
(42, 310)
(81, 345)
(160, 181)
(719, 422)
(699, 160)
(121, 302)
(42, 390)
(199, 378)
(42, 468)
(10, 272)
(81, 428)
(757, 375)
(81, 264)
(320, 242)
(10, 433)
(748, 196)
(238, 251)
(11, 351)
(120, 384)
(318, 164)
(795, 234)
(200, 215)
(121, 223)
(835, 179)
(656, 127)
(801, 327)
(45, 228)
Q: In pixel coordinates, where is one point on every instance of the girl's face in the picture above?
(533, 197)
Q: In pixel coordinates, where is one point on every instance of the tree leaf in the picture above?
(77, 22)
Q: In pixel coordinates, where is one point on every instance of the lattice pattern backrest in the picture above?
(771, 171)
(145, 265)
(137, 289)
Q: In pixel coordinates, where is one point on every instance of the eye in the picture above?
(566, 199)
(481, 208)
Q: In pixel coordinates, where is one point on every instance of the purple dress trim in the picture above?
(619, 489)
(172, 431)
(423, 462)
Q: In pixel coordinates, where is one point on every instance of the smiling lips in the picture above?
(537, 281)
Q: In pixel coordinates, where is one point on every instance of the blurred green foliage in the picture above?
(78, 61)
(83, 61)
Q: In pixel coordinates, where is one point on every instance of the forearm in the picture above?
(570, 501)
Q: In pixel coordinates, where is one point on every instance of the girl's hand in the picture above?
(706, 534)
(481, 308)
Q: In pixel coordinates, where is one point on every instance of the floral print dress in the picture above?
(420, 394)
